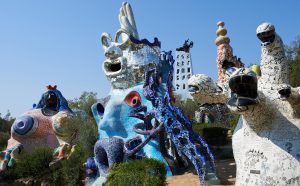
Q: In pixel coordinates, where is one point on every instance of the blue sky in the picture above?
(58, 42)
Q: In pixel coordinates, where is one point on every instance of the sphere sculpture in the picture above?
(33, 129)
(267, 137)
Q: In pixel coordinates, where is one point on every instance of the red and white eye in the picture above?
(133, 99)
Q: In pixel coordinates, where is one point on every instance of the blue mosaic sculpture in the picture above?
(116, 127)
(171, 118)
(136, 120)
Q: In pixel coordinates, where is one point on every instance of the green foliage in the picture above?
(84, 102)
(4, 136)
(233, 120)
(35, 163)
(5, 125)
(145, 172)
(189, 106)
(293, 57)
(87, 125)
(71, 171)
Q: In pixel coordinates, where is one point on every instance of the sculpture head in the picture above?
(243, 86)
(52, 101)
(266, 33)
(203, 88)
(274, 66)
(127, 57)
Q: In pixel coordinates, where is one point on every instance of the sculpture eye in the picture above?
(133, 99)
(25, 126)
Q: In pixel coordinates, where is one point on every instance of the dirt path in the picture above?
(226, 171)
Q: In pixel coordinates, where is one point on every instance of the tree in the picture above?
(188, 106)
(5, 125)
(88, 126)
(84, 102)
(293, 57)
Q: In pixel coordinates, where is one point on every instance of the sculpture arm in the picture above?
(292, 95)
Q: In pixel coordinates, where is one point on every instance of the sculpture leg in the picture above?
(107, 152)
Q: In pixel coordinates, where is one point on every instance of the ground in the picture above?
(226, 170)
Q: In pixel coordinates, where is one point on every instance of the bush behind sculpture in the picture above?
(145, 172)
(33, 164)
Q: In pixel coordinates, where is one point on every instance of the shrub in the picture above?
(145, 172)
(69, 171)
(72, 169)
(35, 163)
(5, 125)
(4, 136)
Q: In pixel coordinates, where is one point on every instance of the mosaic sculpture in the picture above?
(176, 124)
(91, 170)
(212, 113)
(34, 129)
(266, 139)
(67, 133)
(211, 95)
(122, 134)
(127, 59)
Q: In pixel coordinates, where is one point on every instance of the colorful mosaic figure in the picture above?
(34, 129)
(127, 59)
(126, 121)
(265, 141)
(177, 126)
(211, 94)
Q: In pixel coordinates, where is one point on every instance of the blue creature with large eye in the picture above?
(130, 122)
(134, 123)
(118, 139)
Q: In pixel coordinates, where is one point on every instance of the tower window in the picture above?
(178, 64)
(183, 86)
(182, 70)
(177, 77)
(177, 56)
(177, 86)
(188, 63)
(182, 63)
(183, 77)
(182, 56)
(189, 76)
(189, 69)
(188, 56)
(178, 71)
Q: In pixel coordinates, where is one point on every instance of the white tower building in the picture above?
(183, 70)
